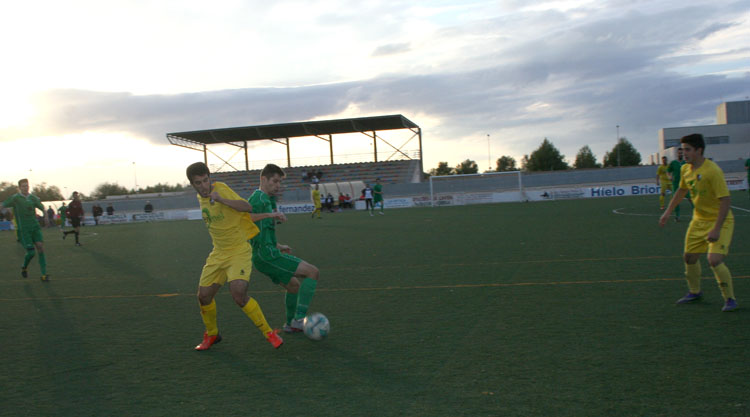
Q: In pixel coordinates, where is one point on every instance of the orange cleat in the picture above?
(274, 339)
(208, 341)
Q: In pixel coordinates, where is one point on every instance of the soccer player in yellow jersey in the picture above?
(227, 217)
(663, 180)
(316, 201)
(712, 225)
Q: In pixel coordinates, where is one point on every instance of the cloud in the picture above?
(572, 82)
(391, 49)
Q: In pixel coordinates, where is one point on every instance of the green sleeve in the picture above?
(38, 203)
(9, 201)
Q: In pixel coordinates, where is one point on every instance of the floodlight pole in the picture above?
(489, 158)
(617, 143)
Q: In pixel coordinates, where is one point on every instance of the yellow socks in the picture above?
(724, 279)
(693, 276)
(252, 309)
(208, 314)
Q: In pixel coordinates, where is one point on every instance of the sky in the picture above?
(90, 88)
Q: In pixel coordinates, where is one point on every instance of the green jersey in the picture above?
(263, 203)
(674, 169)
(24, 207)
(747, 167)
(377, 192)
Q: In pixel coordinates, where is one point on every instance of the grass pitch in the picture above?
(557, 308)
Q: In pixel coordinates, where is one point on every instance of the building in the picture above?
(728, 139)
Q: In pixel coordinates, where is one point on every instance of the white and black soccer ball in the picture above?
(316, 326)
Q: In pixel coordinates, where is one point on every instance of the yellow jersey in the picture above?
(706, 185)
(661, 172)
(229, 229)
(316, 197)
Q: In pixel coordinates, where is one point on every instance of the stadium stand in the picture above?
(390, 172)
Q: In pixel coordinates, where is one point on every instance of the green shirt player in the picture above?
(24, 206)
(62, 211)
(298, 277)
(674, 172)
(377, 192)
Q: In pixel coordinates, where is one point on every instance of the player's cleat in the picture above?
(24, 273)
(381, 213)
(208, 341)
(45, 278)
(78, 244)
(64, 235)
(690, 297)
(274, 339)
(295, 327)
(730, 305)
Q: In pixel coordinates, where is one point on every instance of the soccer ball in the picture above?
(316, 326)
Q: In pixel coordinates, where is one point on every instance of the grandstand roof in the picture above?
(280, 133)
(293, 130)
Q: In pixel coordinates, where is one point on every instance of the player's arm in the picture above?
(260, 216)
(678, 196)
(239, 205)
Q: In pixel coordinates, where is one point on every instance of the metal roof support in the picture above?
(375, 144)
(421, 167)
(247, 162)
(288, 155)
(330, 146)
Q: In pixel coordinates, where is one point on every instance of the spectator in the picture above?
(329, 202)
(110, 210)
(97, 212)
(304, 175)
(148, 208)
(342, 201)
(314, 179)
(319, 174)
(348, 201)
(50, 216)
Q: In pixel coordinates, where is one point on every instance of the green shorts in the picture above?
(31, 235)
(278, 266)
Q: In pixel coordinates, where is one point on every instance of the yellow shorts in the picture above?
(221, 268)
(695, 238)
(665, 186)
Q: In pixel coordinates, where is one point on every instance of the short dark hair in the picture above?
(23, 180)
(270, 170)
(695, 140)
(196, 169)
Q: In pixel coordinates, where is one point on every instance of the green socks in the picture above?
(304, 297)
(43, 263)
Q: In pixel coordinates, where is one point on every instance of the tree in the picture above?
(467, 167)
(442, 169)
(103, 190)
(506, 163)
(45, 193)
(163, 188)
(624, 152)
(7, 189)
(545, 158)
(585, 159)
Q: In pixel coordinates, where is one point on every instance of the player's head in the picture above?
(270, 179)
(664, 160)
(693, 146)
(23, 186)
(316, 186)
(377, 180)
(200, 178)
(75, 195)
